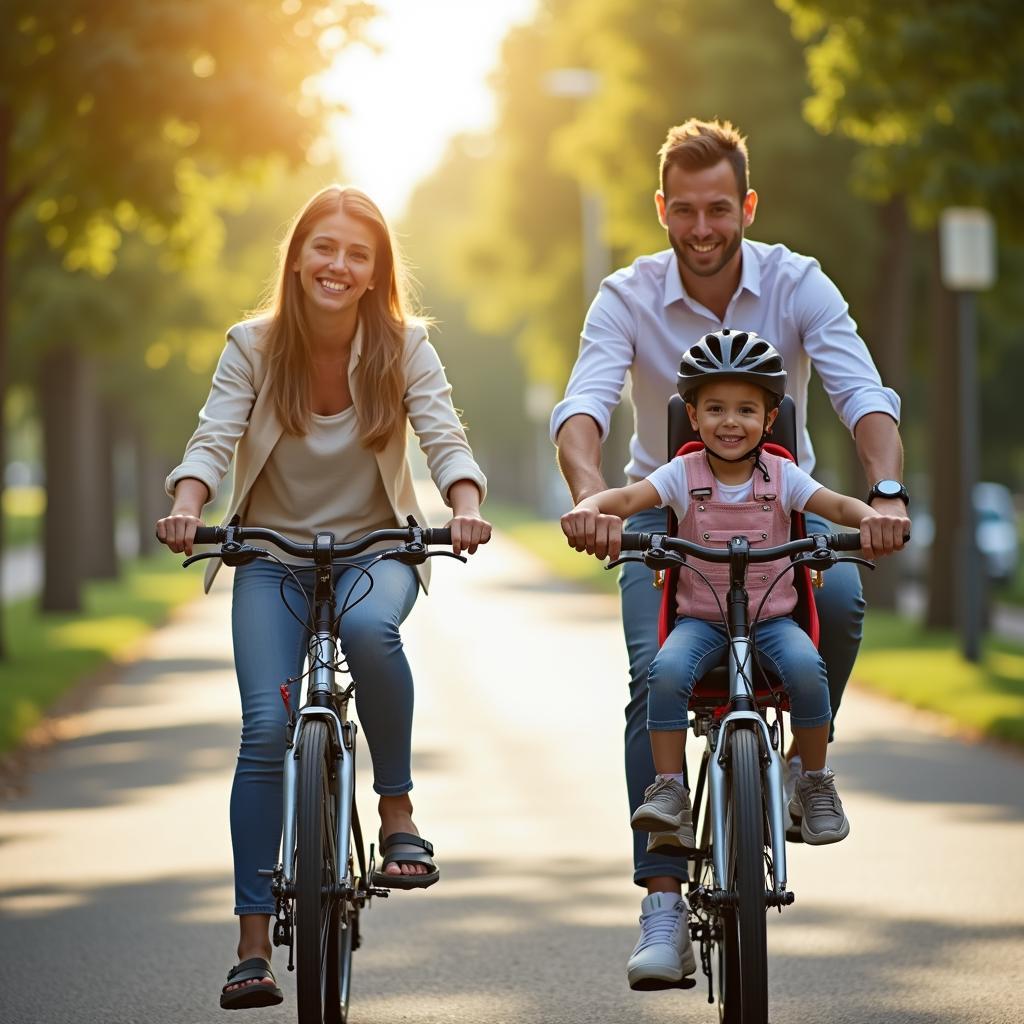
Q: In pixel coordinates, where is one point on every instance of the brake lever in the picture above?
(447, 554)
(196, 558)
(620, 561)
(232, 553)
(416, 554)
(859, 561)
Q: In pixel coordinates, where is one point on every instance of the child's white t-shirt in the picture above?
(670, 483)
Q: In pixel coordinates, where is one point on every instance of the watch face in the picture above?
(889, 488)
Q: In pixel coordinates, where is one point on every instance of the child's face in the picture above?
(730, 416)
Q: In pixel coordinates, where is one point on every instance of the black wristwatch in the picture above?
(889, 489)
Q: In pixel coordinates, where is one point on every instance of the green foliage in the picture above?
(117, 106)
(933, 90)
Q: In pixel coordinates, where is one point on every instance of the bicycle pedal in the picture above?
(657, 985)
(382, 893)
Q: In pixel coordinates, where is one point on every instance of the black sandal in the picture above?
(248, 996)
(406, 848)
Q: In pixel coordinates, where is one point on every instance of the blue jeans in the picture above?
(270, 646)
(841, 610)
(696, 646)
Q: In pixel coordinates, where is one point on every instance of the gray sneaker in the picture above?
(791, 771)
(664, 954)
(666, 808)
(818, 810)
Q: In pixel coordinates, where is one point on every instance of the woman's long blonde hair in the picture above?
(383, 316)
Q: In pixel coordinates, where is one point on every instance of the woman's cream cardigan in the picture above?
(239, 420)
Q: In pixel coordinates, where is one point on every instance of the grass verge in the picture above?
(898, 658)
(924, 668)
(48, 654)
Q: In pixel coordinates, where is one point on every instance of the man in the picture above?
(643, 318)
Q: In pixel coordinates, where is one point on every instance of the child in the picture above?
(733, 382)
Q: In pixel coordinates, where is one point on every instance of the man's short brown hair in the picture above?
(697, 145)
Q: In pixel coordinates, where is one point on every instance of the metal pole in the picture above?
(972, 569)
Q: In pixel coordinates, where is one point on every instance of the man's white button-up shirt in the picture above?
(643, 320)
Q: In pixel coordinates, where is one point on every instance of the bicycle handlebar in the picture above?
(833, 541)
(220, 534)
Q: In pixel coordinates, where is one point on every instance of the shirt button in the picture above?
(764, 579)
(706, 536)
(766, 508)
(700, 508)
(764, 536)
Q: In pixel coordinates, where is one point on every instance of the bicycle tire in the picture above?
(317, 906)
(343, 939)
(743, 953)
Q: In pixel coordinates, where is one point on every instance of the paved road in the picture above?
(115, 893)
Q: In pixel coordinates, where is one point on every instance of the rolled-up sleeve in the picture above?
(606, 353)
(840, 357)
(428, 403)
(223, 418)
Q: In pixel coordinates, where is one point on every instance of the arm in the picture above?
(469, 528)
(580, 422)
(223, 418)
(442, 439)
(579, 456)
(880, 451)
(880, 534)
(178, 529)
(595, 524)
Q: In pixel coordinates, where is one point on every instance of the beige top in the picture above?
(325, 480)
(238, 420)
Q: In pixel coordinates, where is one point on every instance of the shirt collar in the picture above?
(750, 276)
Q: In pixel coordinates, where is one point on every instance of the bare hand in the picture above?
(178, 531)
(884, 532)
(594, 532)
(469, 531)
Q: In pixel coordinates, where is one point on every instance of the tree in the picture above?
(933, 93)
(109, 112)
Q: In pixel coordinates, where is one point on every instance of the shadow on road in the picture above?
(494, 942)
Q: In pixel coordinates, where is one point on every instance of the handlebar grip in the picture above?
(209, 534)
(634, 541)
(439, 535)
(845, 542)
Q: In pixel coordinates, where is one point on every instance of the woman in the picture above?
(317, 392)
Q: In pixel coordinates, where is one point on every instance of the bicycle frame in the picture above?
(741, 686)
(321, 702)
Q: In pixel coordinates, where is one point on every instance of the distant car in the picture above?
(997, 536)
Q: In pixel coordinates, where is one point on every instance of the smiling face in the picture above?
(730, 416)
(704, 215)
(335, 263)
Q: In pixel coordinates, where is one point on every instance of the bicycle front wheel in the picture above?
(743, 960)
(318, 908)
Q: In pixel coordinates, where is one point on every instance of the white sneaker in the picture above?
(664, 953)
(791, 771)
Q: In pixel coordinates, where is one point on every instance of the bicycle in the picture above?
(739, 866)
(323, 878)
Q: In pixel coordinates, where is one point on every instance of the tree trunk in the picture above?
(889, 327)
(150, 501)
(6, 131)
(65, 536)
(944, 455)
(97, 501)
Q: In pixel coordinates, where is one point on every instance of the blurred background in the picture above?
(151, 156)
